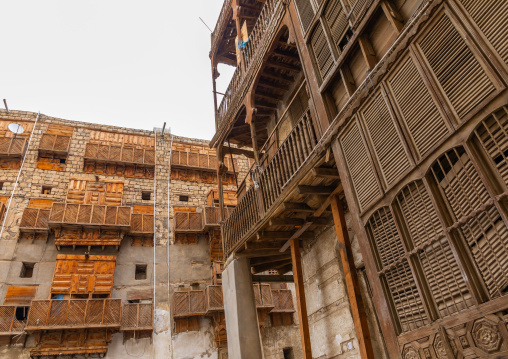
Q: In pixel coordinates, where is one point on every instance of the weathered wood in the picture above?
(301, 302)
(272, 278)
(286, 222)
(352, 284)
(325, 172)
(315, 189)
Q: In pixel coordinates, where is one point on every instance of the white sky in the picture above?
(127, 63)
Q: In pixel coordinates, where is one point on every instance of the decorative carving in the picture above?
(410, 353)
(439, 347)
(426, 351)
(464, 342)
(486, 335)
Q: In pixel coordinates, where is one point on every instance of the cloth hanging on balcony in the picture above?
(242, 44)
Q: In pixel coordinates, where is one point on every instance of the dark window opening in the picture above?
(133, 301)
(63, 160)
(27, 270)
(140, 271)
(46, 190)
(22, 313)
(345, 40)
(146, 195)
(288, 353)
(1, 186)
(183, 198)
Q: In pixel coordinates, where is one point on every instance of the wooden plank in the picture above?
(326, 173)
(273, 278)
(307, 190)
(20, 296)
(301, 302)
(286, 222)
(352, 284)
(41, 203)
(142, 209)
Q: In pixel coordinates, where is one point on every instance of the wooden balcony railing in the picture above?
(137, 316)
(224, 16)
(263, 296)
(90, 215)
(55, 143)
(288, 159)
(12, 147)
(34, 220)
(277, 173)
(189, 303)
(142, 224)
(9, 325)
(119, 154)
(188, 222)
(199, 161)
(211, 216)
(214, 299)
(254, 50)
(74, 314)
(282, 301)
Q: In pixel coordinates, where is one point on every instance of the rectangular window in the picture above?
(46, 190)
(146, 195)
(27, 270)
(140, 272)
(1, 186)
(182, 198)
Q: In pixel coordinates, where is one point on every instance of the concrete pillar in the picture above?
(244, 339)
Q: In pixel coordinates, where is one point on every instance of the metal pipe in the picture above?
(154, 236)
(19, 174)
(169, 236)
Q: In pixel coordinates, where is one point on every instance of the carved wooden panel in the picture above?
(87, 237)
(90, 192)
(360, 169)
(75, 274)
(417, 109)
(19, 295)
(116, 138)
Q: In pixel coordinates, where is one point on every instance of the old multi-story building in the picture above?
(378, 130)
(110, 245)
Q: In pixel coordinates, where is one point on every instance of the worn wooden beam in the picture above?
(242, 152)
(326, 173)
(297, 207)
(268, 266)
(327, 202)
(283, 66)
(263, 260)
(315, 189)
(255, 245)
(258, 253)
(286, 222)
(280, 236)
(368, 51)
(353, 287)
(298, 234)
(285, 269)
(301, 302)
(277, 77)
(273, 278)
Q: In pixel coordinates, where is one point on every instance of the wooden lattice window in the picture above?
(338, 22)
(305, 12)
(434, 254)
(393, 263)
(475, 217)
(321, 51)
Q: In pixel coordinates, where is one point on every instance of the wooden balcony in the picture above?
(211, 216)
(200, 161)
(137, 316)
(288, 183)
(12, 147)
(54, 144)
(188, 222)
(90, 216)
(119, 155)
(189, 303)
(214, 299)
(282, 301)
(142, 224)
(9, 325)
(74, 314)
(255, 48)
(34, 220)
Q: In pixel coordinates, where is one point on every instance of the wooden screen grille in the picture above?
(214, 296)
(460, 74)
(8, 321)
(387, 144)
(442, 272)
(401, 284)
(492, 18)
(337, 20)
(282, 301)
(476, 218)
(418, 110)
(263, 295)
(492, 135)
(360, 168)
(188, 221)
(306, 13)
(189, 303)
(321, 51)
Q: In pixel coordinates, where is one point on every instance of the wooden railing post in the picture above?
(300, 299)
(353, 287)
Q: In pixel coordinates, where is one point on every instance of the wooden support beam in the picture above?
(286, 222)
(297, 235)
(269, 266)
(320, 221)
(286, 55)
(280, 236)
(326, 173)
(353, 287)
(266, 260)
(273, 278)
(242, 152)
(262, 245)
(348, 80)
(258, 253)
(273, 98)
(368, 52)
(301, 303)
(297, 207)
(283, 66)
(393, 15)
(315, 189)
(327, 202)
(285, 269)
(273, 86)
(277, 77)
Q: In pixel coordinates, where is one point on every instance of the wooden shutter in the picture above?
(337, 20)
(386, 141)
(476, 218)
(442, 272)
(459, 73)
(321, 51)
(418, 111)
(305, 12)
(491, 16)
(19, 296)
(399, 279)
(359, 166)
(492, 136)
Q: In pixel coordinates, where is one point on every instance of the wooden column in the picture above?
(255, 147)
(220, 172)
(301, 303)
(353, 287)
(215, 102)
